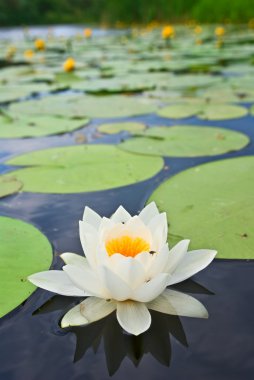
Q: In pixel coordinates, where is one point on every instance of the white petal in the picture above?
(145, 258)
(74, 259)
(148, 212)
(92, 217)
(121, 215)
(90, 310)
(176, 254)
(89, 238)
(151, 289)
(176, 303)
(160, 259)
(136, 228)
(192, 263)
(116, 287)
(85, 279)
(129, 269)
(56, 281)
(74, 318)
(134, 317)
(159, 229)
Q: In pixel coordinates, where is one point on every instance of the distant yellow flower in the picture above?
(219, 31)
(88, 33)
(69, 64)
(28, 54)
(199, 42)
(168, 32)
(40, 44)
(198, 29)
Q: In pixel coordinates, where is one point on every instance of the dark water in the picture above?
(34, 348)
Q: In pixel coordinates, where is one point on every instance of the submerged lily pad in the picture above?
(9, 186)
(34, 126)
(23, 250)
(112, 128)
(82, 168)
(186, 141)
(213, 205)
(203, 111)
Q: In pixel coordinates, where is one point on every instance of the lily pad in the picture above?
(35, 126)
(203, 111)
(186, 141)
(9, 186)
(86, 106)
(23, 250)
(112, 128)
(213, 205)
(82, 168)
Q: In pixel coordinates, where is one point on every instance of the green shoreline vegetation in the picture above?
(124, 12)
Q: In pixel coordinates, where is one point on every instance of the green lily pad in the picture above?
(186, 141)
(203, 111)
(213, 205)
(86, 106)
(24, 250)
(9, 186)
(82, 168)
(112, 128)
(35, 126)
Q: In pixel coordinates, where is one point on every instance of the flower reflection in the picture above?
(155, 341)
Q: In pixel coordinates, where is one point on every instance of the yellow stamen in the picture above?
(127, 246)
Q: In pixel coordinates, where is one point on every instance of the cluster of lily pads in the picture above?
(104, 86)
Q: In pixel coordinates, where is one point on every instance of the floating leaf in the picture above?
(23, 250)
(9, 186)
(82, 168)
(186, 141)
(213, 206)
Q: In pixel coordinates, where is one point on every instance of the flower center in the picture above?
(127, 246)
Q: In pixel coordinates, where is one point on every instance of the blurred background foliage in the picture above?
(33, 12)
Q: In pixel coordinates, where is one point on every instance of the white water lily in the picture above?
(127, 267)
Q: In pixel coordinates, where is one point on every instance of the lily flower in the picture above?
(28, 54)
(219, 31)
(168, 32)
(88, 33)
(127, 268)
(40, 44)
(69, 64)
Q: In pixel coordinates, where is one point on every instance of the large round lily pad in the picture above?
(35, 126)
(23, 250)
(9, 186)
(186, 141)
(112, 128)
(213, 205)
(82, 168)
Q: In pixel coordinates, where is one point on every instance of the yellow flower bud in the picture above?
(219, 31)
(40, 44)
(198, 29)
(69, 64)
(88, 33)
(168, 32)
(28, 54)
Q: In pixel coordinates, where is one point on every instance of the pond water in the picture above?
(33, 346)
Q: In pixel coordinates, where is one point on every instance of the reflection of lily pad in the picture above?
(203, 111)
(186, 141)
(213, 205)
(9, 186)
(81, 106)
(23, 250)
(112, 128)
(37, 126)
(82, 168)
